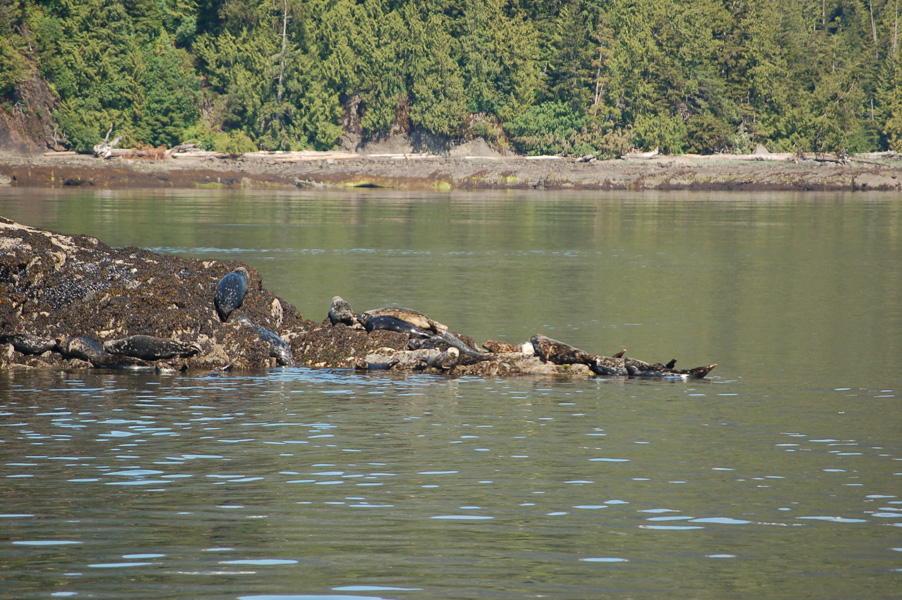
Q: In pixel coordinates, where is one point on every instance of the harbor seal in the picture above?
(148, 347)
(559, 353)
(340, 312)
(84, 349)
(446, 360)
(278, 348)
(29, 344)
(372, 323)
(467, 351)
(608, 366)
(230, 292)
(415, 318)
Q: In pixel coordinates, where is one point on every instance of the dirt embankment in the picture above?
(71, 302)
(457, 170)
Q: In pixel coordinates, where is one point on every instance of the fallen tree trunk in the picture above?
(105, 148)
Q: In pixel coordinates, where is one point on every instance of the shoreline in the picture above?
(419, 172)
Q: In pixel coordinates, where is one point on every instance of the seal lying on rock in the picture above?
(372, 323)
(550, 350)
(446, 360)
(148, 347)
(278, 348)
(84, 349)
(29, 344)
(608, 366)
(467, 351)
(230, 292)
(389, 358)
(559, 353)
(415, 318)
(340, 312)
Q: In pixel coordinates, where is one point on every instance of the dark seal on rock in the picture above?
(468, 351)
(29, 344)
(371, 323)
(278, 348)
(230, 292)
(147, 347)
(415, 318)
(85, 349)
(609, 366)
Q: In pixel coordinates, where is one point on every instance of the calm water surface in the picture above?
(780, 477)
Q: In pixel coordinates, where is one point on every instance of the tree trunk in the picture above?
(874, 29)
(279, 88)
(104, 149)
(896, 29)
(598, 87)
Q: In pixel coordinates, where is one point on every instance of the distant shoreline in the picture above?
(418, 172)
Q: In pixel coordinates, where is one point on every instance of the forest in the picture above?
(574, 77)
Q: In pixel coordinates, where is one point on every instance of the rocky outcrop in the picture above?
(72, 302)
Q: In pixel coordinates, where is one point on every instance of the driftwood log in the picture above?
(105, 148)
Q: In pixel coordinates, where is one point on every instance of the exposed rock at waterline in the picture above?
(71, 302)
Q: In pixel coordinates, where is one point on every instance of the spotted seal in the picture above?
(278, 348)
(415, 318)
(446, 360)
(608, 366)
(84, 349)
(559, 353)
(467, 351)
(230, 292)
(384, 322)
(148, 347)
(29, 344)
(340, 312)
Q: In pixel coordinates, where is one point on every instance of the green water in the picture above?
(780, 477)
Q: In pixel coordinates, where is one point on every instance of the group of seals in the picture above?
(449, 350)
(137, 351)
(430, 344)
(112, 353)
(550, 350)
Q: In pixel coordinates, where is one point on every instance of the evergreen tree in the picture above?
(437, 98)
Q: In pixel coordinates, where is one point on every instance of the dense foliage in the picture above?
(550, 76)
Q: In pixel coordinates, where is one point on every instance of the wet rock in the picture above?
(148, 347)
(71, 302)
